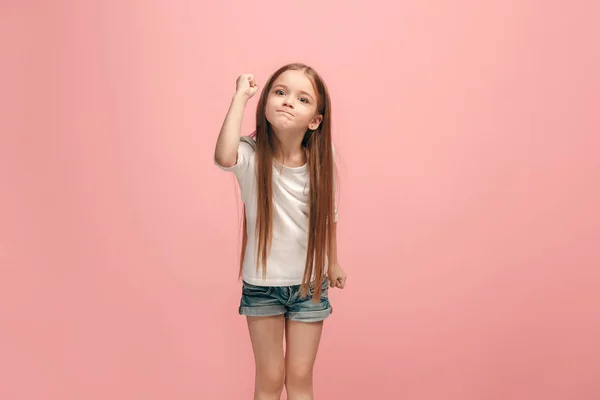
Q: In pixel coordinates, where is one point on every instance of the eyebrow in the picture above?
(285, 87)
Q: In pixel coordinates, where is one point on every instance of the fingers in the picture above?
(247, 78)
(339, 282)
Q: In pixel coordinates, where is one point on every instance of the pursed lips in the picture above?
(285, 112)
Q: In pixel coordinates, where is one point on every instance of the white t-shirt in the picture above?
(287, 259)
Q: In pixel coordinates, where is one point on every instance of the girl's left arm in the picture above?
(337, 276)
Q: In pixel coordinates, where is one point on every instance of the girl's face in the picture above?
(292, 103)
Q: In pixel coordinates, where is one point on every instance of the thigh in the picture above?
(266, 335)
(302, 344)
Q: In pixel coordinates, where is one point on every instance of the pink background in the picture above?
(468, 140)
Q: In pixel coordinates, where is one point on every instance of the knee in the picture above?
(270, 379)
(299, 376)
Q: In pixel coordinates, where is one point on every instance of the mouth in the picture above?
(285, 112)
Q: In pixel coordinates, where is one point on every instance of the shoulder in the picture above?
(248, 142)
(247, 147)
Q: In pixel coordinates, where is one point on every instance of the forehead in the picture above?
(295, 80)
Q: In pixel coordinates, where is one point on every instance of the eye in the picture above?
(279, 92)
(304, 100)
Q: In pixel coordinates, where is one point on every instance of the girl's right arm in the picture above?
(226, 149)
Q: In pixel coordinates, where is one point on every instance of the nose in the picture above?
(289, 102)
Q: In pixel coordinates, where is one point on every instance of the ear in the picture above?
(314, 124)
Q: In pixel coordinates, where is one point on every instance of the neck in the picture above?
(288, 146)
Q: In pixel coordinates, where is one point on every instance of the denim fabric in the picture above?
(265, 301)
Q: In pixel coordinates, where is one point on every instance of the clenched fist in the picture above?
(246, 84)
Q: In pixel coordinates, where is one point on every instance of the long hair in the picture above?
(318, 147)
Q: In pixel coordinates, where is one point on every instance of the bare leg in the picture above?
(302, 341)
(266, 334)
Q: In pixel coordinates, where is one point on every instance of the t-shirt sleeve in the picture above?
(245, 156)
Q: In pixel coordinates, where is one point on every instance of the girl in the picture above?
(285, 171)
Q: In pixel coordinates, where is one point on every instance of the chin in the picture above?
(280, 125)
(284, 127)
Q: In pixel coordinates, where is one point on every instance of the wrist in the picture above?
(241, 96)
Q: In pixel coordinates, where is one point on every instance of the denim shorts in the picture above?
(263, 301)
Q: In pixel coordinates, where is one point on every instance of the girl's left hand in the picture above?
(337, 277)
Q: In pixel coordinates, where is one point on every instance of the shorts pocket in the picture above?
(249, 289)
(324, 288)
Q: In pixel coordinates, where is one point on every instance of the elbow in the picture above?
(226, 162)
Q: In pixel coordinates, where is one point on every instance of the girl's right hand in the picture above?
(246, 84)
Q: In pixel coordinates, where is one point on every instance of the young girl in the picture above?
(286, 174)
